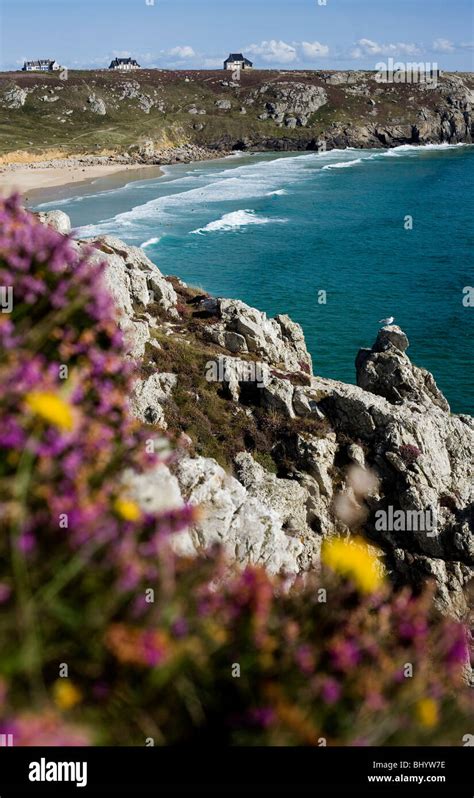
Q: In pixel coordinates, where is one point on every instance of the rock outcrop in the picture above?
(58, 220)
(291, 103)
(13, 98)
(97, 105)
(244, 329)
(307, 444)
(387, 371)
(136, 285)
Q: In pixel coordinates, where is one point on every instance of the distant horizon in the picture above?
(199, 34)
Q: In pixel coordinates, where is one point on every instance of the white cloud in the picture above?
(274, 51)
(314, 49)
(443, 46)
(366, 47)
(447, 46)
(183, 52)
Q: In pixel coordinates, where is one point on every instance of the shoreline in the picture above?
(53, 178)
(59, 178)
(41, 183)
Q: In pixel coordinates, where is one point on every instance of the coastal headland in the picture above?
(98, 123)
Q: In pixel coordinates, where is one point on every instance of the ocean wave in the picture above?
(150, 242)
(342, 164)
(232, 183)
(54, 204)
(236, 185)
(132, 185)
(234, 221)
(280, 192)
(413, 149)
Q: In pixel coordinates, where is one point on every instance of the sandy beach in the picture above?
(35, 181)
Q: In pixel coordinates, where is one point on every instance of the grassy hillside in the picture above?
(41, 113)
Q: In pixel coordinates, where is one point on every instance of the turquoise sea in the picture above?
(276, 230)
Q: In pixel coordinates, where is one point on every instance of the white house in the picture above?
(43, 65)
(124, 63)
(237, 61)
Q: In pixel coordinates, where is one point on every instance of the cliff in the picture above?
(160, 116)
(278, 458)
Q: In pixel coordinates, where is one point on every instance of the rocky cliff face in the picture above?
(155, 113)
(279, 458)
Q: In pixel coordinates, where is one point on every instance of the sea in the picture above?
(338, 240)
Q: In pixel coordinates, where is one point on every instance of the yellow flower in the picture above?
(127, 509)
(216, 632)
(66, 694)
(427, 712)
(352, 558)
(51, 408)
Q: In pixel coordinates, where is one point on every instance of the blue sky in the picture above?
(291, 34)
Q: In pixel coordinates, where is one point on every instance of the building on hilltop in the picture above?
(43, 65)
(124, 63)
(237, 61)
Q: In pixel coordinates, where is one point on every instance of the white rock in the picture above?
(249, 530)
(58, 220)
(149, 395)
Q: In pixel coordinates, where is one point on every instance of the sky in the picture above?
(274, 34)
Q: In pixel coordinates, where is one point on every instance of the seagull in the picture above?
(385, 322)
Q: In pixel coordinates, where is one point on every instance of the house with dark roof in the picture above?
(237, 61)
(43, 65)
(124, 63)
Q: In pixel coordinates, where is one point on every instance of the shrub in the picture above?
(409, 453)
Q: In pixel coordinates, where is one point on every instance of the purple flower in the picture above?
(5, 592)
(305, 659)
(152, 649)
(262, 716)
(412, 630)
(180, 627)
(345, 655)
(330, 691)
(458, 652)
(26, 542)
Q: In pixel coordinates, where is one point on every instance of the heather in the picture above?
(110, 638)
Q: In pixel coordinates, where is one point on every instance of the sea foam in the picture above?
(150, 242)
(342, 164)
(234, 221)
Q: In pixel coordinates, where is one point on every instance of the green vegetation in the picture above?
(57, 116)
(217, 426)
